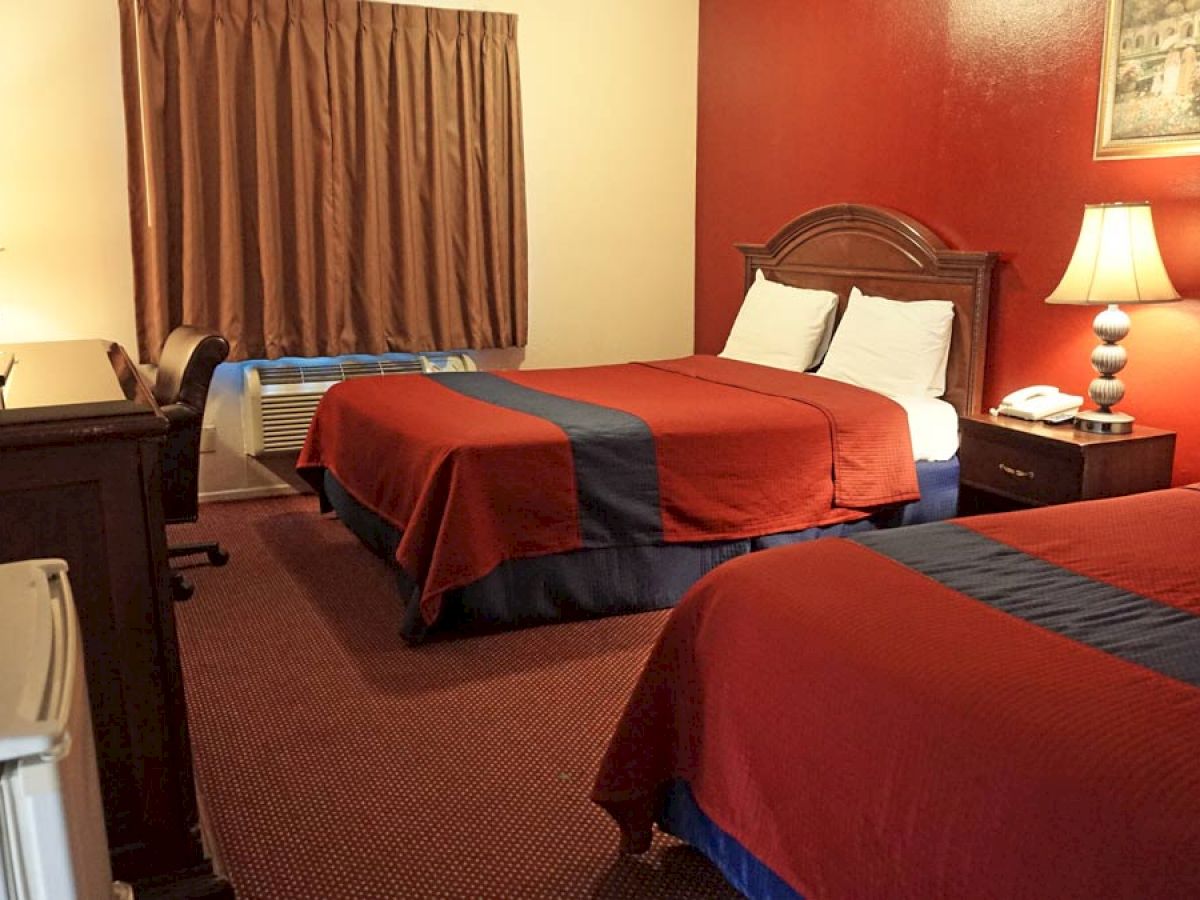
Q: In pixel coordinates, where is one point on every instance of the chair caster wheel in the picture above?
(181, 588)
(218, 557)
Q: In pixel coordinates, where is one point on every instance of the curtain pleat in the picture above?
(318, 177)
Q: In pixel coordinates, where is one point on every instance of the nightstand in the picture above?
(1008, 463)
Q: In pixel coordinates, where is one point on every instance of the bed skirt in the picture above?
(603, 581)
(682, 817)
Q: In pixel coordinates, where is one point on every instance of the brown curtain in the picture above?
(317, 177)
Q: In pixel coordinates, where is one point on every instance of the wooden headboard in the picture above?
(887, 254)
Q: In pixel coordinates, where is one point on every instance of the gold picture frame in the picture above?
(1149, 81)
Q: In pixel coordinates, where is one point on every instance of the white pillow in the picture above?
(897, 348)
(781, 326)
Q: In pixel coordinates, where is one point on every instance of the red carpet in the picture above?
(335, 761)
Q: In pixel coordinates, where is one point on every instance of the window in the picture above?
(325, 178)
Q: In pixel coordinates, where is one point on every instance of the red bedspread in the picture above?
(867, 731)
(739, 450)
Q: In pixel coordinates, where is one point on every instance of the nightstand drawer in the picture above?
(1022, 470)
(1009, 463)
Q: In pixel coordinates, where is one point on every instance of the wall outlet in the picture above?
(208, 439)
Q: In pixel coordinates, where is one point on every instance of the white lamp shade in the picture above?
(1116, 259)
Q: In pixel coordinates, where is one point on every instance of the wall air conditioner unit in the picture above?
(282, 395)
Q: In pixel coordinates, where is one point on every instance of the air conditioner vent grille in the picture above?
(281, 398)
(336, 371)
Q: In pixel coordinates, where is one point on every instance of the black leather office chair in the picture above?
(185, 370)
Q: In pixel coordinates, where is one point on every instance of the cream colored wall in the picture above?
(64, 222)
(609, 93)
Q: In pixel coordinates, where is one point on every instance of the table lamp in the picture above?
(1116, 261)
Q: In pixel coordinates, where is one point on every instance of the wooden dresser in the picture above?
(80, 448)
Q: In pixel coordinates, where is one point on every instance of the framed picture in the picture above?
(1149, 80)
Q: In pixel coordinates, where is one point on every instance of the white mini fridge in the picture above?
(52, 842)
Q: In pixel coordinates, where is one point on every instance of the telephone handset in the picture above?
(1037, 402)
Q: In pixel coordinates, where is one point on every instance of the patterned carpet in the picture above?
(335, 761)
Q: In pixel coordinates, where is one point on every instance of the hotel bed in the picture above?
(1001, 706)
(524, 497)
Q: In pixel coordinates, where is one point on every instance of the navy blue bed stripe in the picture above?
(616, 466)
(1136, 628)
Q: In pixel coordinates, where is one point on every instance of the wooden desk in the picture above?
(80, 478)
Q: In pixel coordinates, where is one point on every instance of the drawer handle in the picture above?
(1015, 473)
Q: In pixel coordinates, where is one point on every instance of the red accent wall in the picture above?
(975, 117)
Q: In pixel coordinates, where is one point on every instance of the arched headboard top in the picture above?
(888, 254)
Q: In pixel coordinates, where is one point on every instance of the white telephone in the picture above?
(1037, 402)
